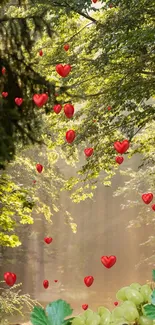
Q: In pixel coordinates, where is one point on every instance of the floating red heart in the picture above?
(88, 280)
(4, 94)
(116, 303)
(119, 159)
(94, 1)
(110, 6)
(3, 70)
(69, 110)
(10, 278)
(94, 121)
(40, 99)
(48, 240)
(63, 71)
(85, 307)
(57, 108)
(108, 261)
(66, 47)
(34, 181)
(41, 53)
(39, 168)
(46, 284)
(147, 197)
(121, 147)
(56, 94)
(153, 207)
(55, 280)
(70, 136)
(88, 152)
(18, 101)
(109, 108)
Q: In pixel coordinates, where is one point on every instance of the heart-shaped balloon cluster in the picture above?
(121, 147)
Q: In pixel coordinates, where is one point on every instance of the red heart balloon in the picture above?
(18, 101)
(55, 280)
(85, 307)
(94, 1)
(147, 197)
(110, 6)
(48, 240)
(116, 303)
(10, 278)
(39, 168)
(57, 108)
(41, 53)
(66, 47)
(46, 284)
(34, 181)
(94, 121)
(88, 280)
(3, 70)
(69, 110)
(119, 159)
(121, 147)
(40, 99)
(108, 261)
(63, 71)
(70, 136)
(153, 207)
(109, 108)
(4, 94)
(88, 152)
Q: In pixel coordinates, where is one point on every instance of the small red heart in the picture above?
(63, 71)
(119, 159)
(147, 197)
(94, 1)
(153, 207)
(39, 168)
(18, 101)
(10, 278)
(85, 307)
(46, 284)
(69, 110)
(3, 70)
(48, 240)
(34, 181)
(121, 147)
(94, 121)
(109, 108)
(88, 152)
(4, 94)
(116, 303)
(66, 47)
(40, 99)
(57, 108)
(88, 280)
(70, 136)
(110, 6)
(55, 280)
(41, 53)
(56, 94)
(108, 261)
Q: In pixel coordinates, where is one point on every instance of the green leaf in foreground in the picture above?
(57, 311)
(150, 311)
(39, 317)
(153, 297)
(153, 275)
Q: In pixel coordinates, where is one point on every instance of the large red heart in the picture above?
(70, 136)
(88, 152)
(18, 101)
(63, 71)
(40, 99)
(69, 110)
(39, 168)
(108, 261)
(121, 147)
(48, 240)
(46, 284)
(4, 94)
(119, 159)
(10, 278)
(85, 307)
(147, 197)
(57, 108)
(88, 280)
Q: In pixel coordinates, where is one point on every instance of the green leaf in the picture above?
(57, 311)
(153, 275)
(150, 311)
(39, 317)
(153, 297)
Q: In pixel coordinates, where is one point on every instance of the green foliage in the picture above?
(55, 314)
(150, 311)
(153, 275)
(153, 297)
(11, 302)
